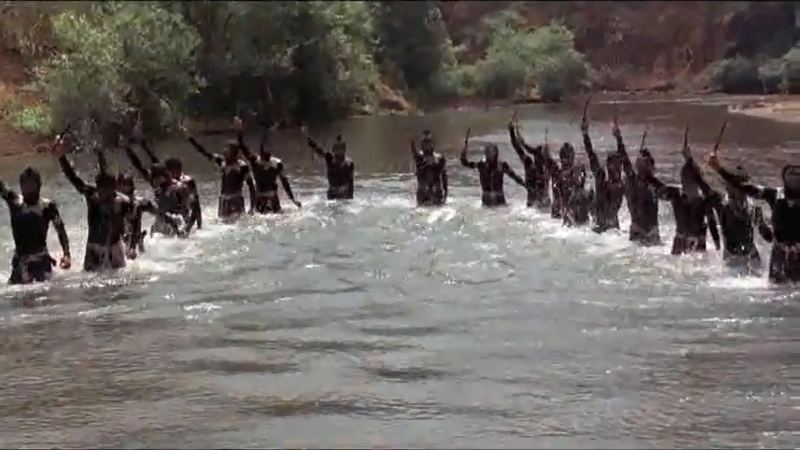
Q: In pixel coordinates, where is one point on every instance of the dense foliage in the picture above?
(281, 61)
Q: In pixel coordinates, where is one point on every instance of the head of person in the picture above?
(427, 142)
(174, 166)
(741, 176)
(791, 182)
(161, 176)
(231, 151)
(614, 166)
(567, 155)
(689, 184)
(106, 185)
(645, 164)
(339, 148)
(30, 185)
(491, 153)
(125, 184)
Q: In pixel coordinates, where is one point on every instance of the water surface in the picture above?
(377, 323)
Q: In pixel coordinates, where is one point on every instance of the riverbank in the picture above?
(783, 108)
(779, 108)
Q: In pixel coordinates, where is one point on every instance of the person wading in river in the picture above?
(31, 217)
(537, 177)
(266, 170)
(784, 263)
(608, 186)
(737, 218)
(431, 171)
(175, 167)
(235, 174)
(172, 200)
(562, 176)
(640, 194)
(133, 235)
(492, 172)
(339, 167)
(694, 213)
(577, 208)
(106, 212)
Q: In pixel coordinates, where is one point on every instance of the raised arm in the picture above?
(549, 162)
(513, 175)
(202, 150)
(315, 147)
(713, 196)
(149, 151)
(72, 176)
(7, 194)
(768, 194)
(627, 166)
(251, 158)
(102, 163)
(464, 159)
(712, 223)
(512, 133)
(137, 164)
(594, 163)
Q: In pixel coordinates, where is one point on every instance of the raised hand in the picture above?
(584, 119)
(60, 147)
(615, 127)
(238, 125)
(686, 150)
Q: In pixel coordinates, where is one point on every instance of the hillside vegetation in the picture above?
(96, 64)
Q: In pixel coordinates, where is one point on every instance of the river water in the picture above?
(377, 323)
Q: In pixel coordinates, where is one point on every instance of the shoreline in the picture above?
(779, 108)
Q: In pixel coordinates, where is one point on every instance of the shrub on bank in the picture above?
(36, 120)
(517, 59)
(121, 57)
(735, 76)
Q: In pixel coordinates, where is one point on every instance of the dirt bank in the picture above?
(781, 108)
(12, 76)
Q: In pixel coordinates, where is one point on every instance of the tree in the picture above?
(119, 58)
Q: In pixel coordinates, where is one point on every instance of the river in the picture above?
(377, 323)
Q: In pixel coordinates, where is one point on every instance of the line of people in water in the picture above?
(115, 210)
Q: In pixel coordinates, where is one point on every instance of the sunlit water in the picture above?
(377, 323)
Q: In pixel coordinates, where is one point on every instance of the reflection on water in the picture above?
(376, 323)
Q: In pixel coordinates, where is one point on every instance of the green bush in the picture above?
(771, 75)
(34, 119)
(515, 60)
(735, 76)
(118, 58)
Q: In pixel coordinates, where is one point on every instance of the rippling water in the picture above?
(377, 323)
